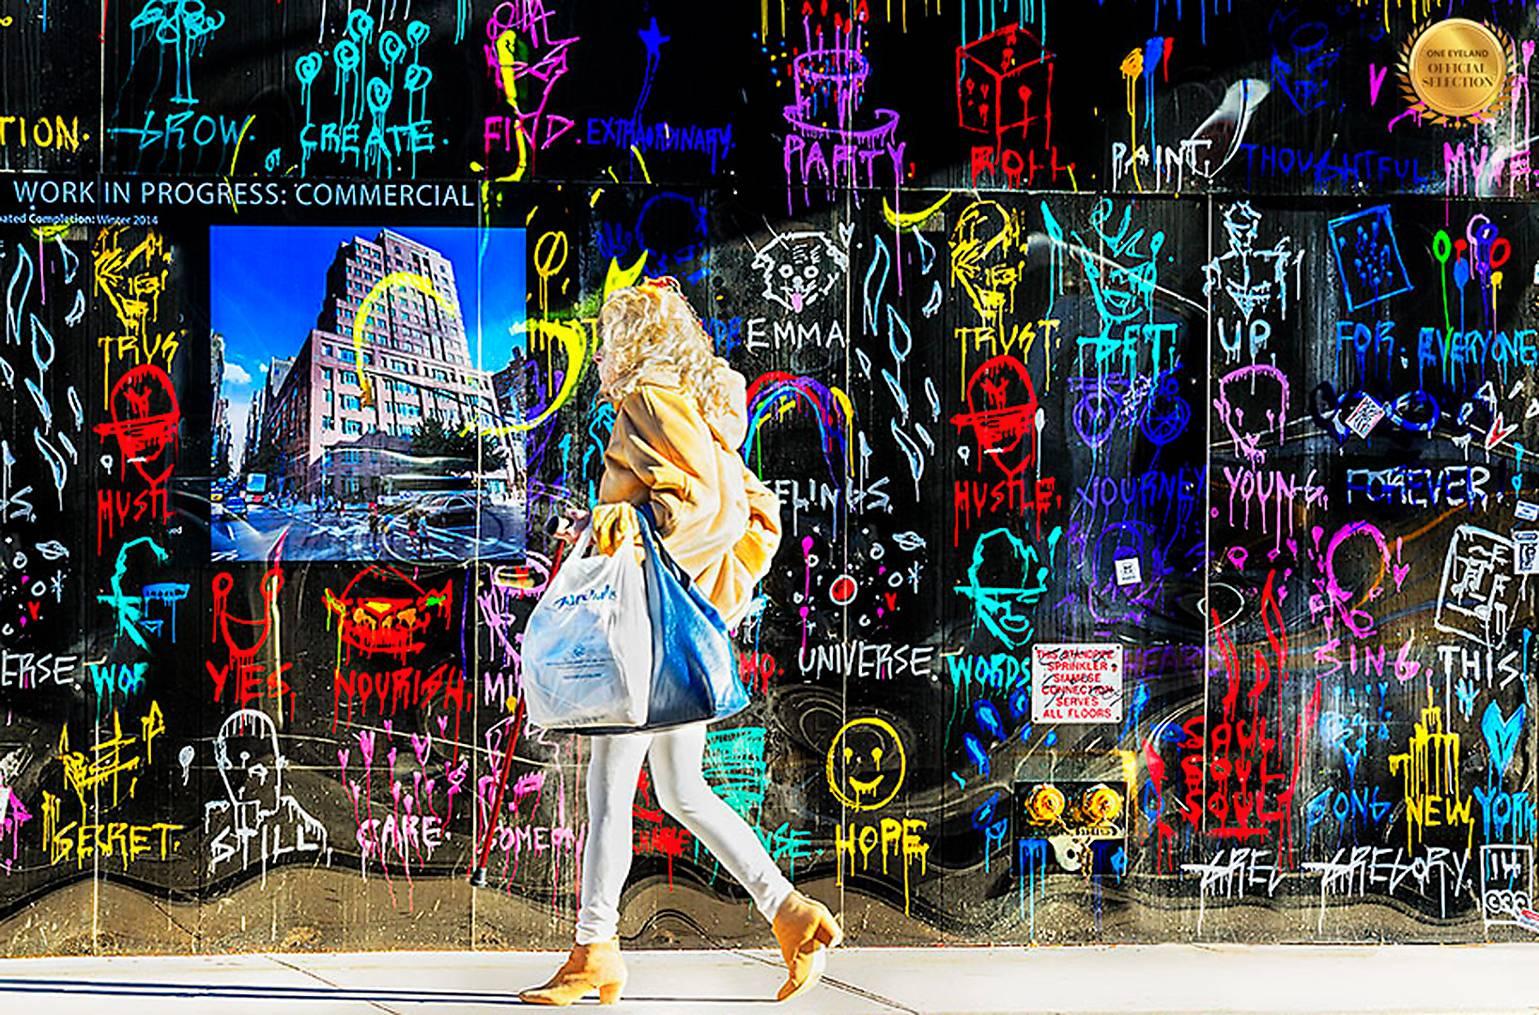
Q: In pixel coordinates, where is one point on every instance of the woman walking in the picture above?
(680, 418)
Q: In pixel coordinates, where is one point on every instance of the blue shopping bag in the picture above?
(694, 667)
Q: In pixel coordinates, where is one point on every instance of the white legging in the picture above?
(681, 791)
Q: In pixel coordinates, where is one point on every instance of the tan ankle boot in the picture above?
(806, 930)
(590, 967)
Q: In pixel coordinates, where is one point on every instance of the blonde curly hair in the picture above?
(650, 334)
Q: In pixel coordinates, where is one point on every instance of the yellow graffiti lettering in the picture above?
(119, 840)
(988, 259)
(550, 254)
(891, 839)
(42, 132)
(1430, 773)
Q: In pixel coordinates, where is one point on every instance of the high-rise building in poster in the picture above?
(220, 427)
(261, 397)
(253, 429)
(342, 419)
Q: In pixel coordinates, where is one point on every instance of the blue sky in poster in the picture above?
(267, 283)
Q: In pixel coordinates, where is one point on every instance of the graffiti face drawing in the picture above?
(1002, 413)
(866, 764)
(244, 739)
(384, 612)
(1260, 390)
(1252, 279)
(1005, 582)
(1120, 264)
(988, 258)
(255, 810)
(800, 268)
(1124, 283)
(145, 421)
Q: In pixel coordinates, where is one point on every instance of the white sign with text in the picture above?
(1076, 683)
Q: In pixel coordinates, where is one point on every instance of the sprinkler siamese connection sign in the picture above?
(1076, 683)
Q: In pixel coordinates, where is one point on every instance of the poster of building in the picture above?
(358, 411)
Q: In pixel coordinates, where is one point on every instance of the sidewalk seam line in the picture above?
(295, 967)
(848, 988)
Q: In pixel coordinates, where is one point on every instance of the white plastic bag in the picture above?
(587, 651)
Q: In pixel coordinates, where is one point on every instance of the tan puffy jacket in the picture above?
(717, 519)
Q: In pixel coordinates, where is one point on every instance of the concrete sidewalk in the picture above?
(1159, 978)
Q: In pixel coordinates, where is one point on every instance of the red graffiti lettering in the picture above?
(1004, 88)
(1241, 771)
(244, 639)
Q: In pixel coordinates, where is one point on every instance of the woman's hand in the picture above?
(614, 525)
(567, 526)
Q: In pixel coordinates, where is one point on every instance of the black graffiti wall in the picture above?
(1146, 386)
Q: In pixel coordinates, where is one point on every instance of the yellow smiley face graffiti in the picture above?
(866, 764)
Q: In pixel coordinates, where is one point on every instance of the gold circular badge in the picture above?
(1458, 67)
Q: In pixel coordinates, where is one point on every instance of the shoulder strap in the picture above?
(654, 544)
